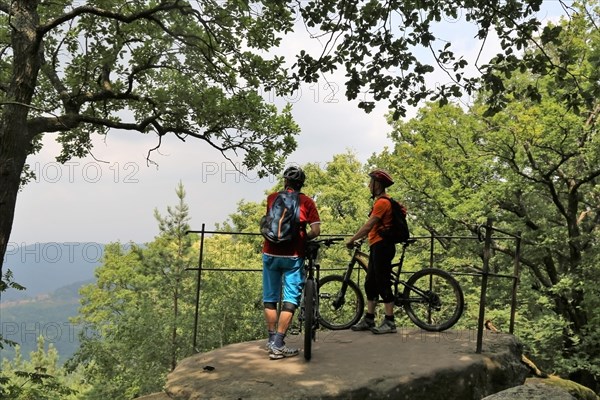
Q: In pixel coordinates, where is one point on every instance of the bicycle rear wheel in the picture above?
(433, 299)
(309, 315)
(337, 311)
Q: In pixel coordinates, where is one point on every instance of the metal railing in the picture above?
(484, 272)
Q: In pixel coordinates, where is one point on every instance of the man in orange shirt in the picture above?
(378, 280)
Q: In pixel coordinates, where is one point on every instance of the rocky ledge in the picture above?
(411, 364)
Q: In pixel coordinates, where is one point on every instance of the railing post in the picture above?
(484, 281)
(431, 245)
(516, 274)
(198, 289)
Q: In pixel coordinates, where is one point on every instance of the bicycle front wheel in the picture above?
(339, 308)
(433, 299)
(309, 315)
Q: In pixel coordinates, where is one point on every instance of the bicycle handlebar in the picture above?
(328, 241)
(357, 243)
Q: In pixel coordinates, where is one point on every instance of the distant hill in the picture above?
(44, 267)
(23, 321)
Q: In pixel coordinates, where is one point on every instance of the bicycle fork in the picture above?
(340, 299)
(297, 329)
(302, 308)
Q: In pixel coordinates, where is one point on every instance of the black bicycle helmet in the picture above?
(294, 174)
(382, 176)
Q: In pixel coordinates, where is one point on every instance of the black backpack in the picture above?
(398, 232)
(281, 224)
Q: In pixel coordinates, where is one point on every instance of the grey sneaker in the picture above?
(364, 325)
(268, 345)
(386, 326)
(276, 353)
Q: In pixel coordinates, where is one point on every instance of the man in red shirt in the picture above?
(283, 267)
(378, 279)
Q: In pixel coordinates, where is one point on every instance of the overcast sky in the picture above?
(112, 197)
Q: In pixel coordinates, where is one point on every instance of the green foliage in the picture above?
(177, 68)
(139, 316)
(340, 190)
(231, 292)
(139, 313)
(115, 315)
(526, 154)
(533, 168)
(40, 378)
(6, 282)
(191, 70)
(48, 317)
(389, 49)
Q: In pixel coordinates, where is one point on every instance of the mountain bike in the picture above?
(431, 297)
(308, 317)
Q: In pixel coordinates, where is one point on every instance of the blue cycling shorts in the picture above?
(282, 271)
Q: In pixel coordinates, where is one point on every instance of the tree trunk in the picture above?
(12, 160)
(174, 330)
(15, 137)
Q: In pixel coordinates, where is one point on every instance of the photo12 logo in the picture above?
(225, 172)
(90, 172)
(325, 93)
(51, 252)
(52, 332)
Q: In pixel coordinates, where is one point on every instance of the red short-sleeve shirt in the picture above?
(308, 216)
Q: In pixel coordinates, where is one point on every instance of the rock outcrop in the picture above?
(532, 392)
(411, 364)
(550, 388)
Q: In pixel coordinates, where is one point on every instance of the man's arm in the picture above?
(315, 230)
(363, 231)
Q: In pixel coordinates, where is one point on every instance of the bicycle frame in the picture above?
(312, 273)
(362, 259)
(396, 271)
(431, 298)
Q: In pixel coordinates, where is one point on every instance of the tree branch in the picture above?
(63, 93)
(533, 267)
(546, 181)
(586, 179)
(69, 121)
(146, 14)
